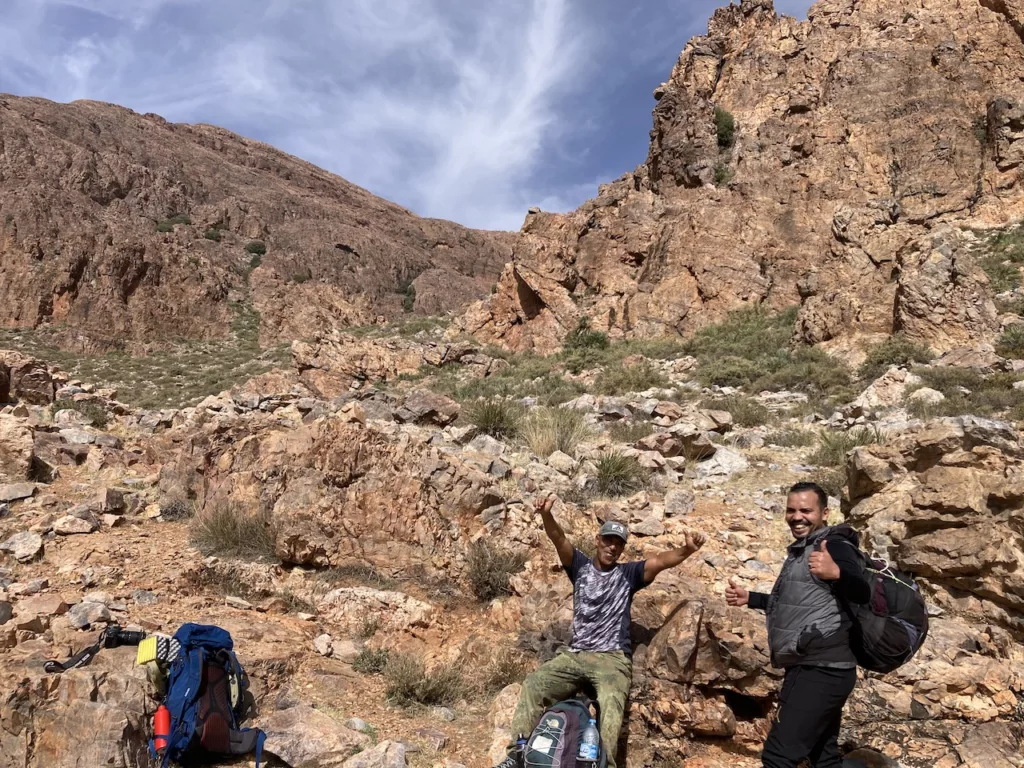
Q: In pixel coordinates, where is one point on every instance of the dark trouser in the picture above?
(806, 725)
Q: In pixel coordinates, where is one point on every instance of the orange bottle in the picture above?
(161, 728)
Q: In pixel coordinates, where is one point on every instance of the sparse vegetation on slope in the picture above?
(172, 377)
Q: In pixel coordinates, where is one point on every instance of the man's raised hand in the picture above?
(735, 594)
(546, 503)
(822, 565)
(695, 541)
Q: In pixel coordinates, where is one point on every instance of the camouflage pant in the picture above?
(610, 673)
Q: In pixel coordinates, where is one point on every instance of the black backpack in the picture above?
(555, 741)
(892, 627)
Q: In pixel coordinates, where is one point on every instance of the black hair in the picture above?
(818, 490)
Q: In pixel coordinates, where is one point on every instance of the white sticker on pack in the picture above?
(542, 744)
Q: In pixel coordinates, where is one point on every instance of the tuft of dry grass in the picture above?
(547, 430)
(490, 567)
(407, 682)
(231, 531)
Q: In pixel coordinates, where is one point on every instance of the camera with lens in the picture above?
(114, 636)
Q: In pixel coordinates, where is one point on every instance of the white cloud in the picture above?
(452, 108)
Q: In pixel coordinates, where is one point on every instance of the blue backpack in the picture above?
(206, 689)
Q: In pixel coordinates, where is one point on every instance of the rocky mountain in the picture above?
(123, 229)
(829, 163)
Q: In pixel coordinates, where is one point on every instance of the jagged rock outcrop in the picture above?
(855, 133)
(944, 501)
(85, 185)
(332, 363)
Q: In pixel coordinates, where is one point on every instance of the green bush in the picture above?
(725, 128)
(896, 350)
(811, 371)
(501, 419)
(546, 430)
(1011, 342)
(231, 531)
(723, 175)
(490, 567)
(950, 379)
(167, 225)
(833, 446)
(790, 438)
(729, 372)
(212, 234)
(409, 300)
(620, 475)
(745, 411)
(583, 337)
(408, 683)
(618, 379)
(371, 662)
(257, 247)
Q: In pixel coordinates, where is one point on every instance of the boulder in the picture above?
(322, 645)
(29, 380)
(304, 737)
(562, 462)
(16, 449)
(70, 525)
(85, 614)
(110, 500)
(887, 391)
(387, 754)
(724, 464)
(679, 502)
(43, 605)
(23, 547)
(926, 395)
(425, 407)
(16, 491)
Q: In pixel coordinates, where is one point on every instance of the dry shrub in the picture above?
(232, 531)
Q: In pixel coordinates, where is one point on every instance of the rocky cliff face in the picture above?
(129, 229)
(855, 134)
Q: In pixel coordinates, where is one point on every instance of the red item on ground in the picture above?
(161, 728)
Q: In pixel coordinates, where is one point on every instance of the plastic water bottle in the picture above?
(520, 751)
(589, 743)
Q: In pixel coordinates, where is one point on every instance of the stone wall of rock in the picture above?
(856, 132)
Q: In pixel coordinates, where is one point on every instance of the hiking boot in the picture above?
(512, 761)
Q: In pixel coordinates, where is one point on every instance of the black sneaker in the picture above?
(512, 761)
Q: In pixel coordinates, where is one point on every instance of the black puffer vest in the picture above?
(805, 623)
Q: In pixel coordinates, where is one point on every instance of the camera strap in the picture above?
(111, 637)
(80, 659)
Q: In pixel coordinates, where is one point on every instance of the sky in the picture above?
(469, 110)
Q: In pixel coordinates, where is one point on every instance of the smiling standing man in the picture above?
(808, 632)
(600, 652)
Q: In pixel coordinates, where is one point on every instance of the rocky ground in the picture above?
(391, 518)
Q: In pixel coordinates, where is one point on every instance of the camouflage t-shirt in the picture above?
(601, 603)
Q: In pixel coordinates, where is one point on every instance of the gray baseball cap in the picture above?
(612, 528)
